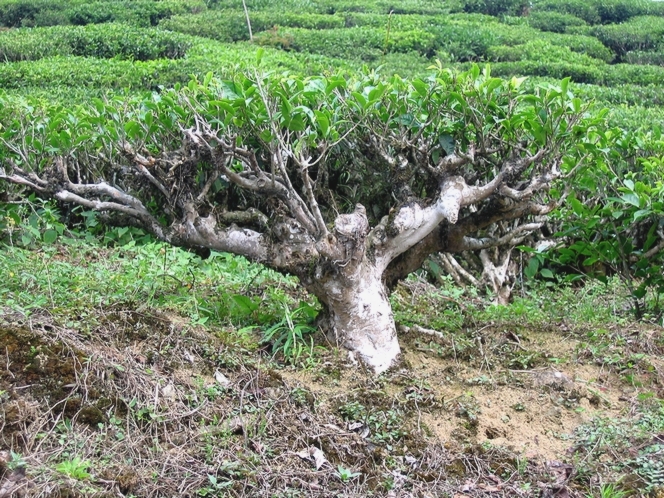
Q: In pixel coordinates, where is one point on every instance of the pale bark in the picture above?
(360, 316)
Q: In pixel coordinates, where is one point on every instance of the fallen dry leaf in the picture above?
(315, 453)
(319, 457)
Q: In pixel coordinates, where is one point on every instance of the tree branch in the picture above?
(474, 244)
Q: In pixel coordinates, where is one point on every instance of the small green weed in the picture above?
(346, 474)
(16, 462)
(74, 468)
(289, 335)
(610, 491)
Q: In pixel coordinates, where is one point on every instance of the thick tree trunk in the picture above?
(360, 316)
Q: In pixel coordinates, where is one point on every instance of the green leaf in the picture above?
(641, 213)
(207, 79)
(360, 99)
(296, 124)
(323, 122)
(563, 85)
(50, 236)
(244, 304)
(334, 84)
(421, 87)
(632, 199)
(132, 129)
(546, 273)
(222, 104)
(531, 269)
(578, 208)
(446, 142)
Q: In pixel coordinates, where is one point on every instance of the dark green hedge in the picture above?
(496, 8)
(79, 72)
(230, 26)
(30, 13)
(601, 11)
(609, 75)
(556, 22)
(640, 33)
(100, 40)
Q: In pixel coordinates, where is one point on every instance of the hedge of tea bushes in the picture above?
(135, 75)
(96, 40)
(31, 13)
(231, 26)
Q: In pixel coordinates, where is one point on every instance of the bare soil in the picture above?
(148, 406)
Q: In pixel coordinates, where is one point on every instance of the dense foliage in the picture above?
(612, 49)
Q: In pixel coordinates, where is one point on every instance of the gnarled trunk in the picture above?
(359, 314)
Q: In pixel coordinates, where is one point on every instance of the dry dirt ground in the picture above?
(148, 406)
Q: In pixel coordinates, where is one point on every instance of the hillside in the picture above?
(141, 371)
(133, 368)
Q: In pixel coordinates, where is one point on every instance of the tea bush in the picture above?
(600, 11)
(581, 73)
(581, 44)
(395, 22)
(30, 13)
(619, 11)
(16, 13)
(621, 74)
(647, 58)
(85, 72)
(540, 51)
(638, 34)
(423, 7)
(583, 9)
(557, 22)
(103, 41)
(230, 26)
(623, 95)
(493, 8)
(365, 44)
(139, 12)
(466, 42)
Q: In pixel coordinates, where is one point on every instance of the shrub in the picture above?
(16, 13)
(542, 52)
(493, 8)
(103, 41)
(423, 7)
(229, 26)
(583, 9)
(216, 25)
(466, 42)
(140, 12)
(396, 22)
(82, 73)
(618, 11)
(579, 73)
(33, 43)
(620, 74)
(581, 44)
(623, 95)
(640, 33)
(649, 58)
(31, 13)
(557, 22)
(365, 44)
(600, 11)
